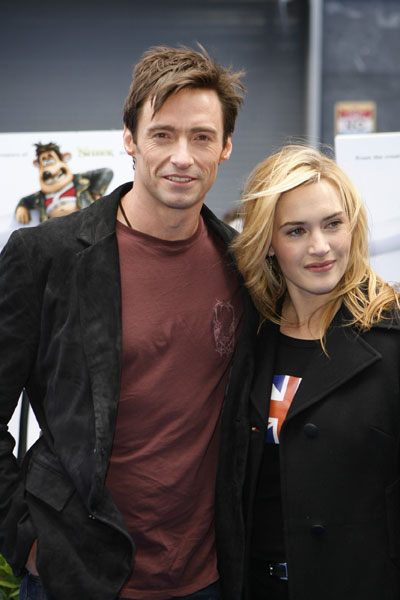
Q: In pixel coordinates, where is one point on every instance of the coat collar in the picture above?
(349, 353)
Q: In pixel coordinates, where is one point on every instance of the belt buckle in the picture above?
(279, 570)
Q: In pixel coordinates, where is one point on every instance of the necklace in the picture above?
(124, 213)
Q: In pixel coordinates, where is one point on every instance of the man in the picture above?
(121, 321)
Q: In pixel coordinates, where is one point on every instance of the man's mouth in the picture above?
(50, 178)
(179, 178)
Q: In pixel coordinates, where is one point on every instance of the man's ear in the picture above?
(226, 152)
(129, 144)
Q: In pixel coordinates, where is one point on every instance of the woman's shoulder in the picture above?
(390, 319)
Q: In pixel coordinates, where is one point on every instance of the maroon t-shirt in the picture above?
(181, 309)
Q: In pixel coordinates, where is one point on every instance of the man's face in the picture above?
(177, 151)
(54, 173)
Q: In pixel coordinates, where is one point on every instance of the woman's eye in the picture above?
(334, 224)
(295, 232)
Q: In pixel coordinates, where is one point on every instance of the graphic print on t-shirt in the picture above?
(283, 390)
(224, 326)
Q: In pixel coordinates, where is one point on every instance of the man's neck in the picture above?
(164, 223)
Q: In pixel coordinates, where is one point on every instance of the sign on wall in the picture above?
(373, 164)
(355, 117)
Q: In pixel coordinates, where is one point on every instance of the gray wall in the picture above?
(67, 66)
(361, 59)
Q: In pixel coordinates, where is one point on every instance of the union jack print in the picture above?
(283, 390)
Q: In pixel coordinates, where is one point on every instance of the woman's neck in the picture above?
(303, 321)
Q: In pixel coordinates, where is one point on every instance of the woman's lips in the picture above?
(320, 267)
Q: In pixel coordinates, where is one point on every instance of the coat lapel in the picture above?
(264, 371)
(349, 354)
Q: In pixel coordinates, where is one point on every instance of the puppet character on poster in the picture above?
(61, 191)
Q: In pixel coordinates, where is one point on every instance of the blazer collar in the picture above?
(99, 219)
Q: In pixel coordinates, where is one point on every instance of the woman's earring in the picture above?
(270, 262)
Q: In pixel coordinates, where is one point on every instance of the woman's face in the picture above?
(311, 239)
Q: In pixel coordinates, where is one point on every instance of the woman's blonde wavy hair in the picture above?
(361, 290)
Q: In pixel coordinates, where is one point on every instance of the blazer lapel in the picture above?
(100, 313)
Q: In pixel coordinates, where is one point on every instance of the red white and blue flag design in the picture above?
(283, 390)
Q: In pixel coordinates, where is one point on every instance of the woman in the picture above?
(322, 501)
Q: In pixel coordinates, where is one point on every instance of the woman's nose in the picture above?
(318, 244)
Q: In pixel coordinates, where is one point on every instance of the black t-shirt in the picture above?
(293, 357)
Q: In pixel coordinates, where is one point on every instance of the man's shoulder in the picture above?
(223, 230)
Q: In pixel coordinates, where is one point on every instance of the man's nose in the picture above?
(181, 155)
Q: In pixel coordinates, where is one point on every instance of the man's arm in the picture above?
(19, 324)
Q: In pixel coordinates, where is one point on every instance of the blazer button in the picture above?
(317, 529)
(311, 430)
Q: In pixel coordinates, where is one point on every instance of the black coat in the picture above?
(60, 332)
(340, 470)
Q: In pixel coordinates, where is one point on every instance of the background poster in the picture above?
(89, 150)
(372, 161)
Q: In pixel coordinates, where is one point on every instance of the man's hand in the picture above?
(31, 562)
